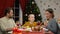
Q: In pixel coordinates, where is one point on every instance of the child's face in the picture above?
(31, 18)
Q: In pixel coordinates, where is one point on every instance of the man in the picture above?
(30, 23)
(7, 23)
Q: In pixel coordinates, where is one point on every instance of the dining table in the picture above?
(31, 32)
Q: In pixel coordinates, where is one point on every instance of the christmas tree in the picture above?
(32, 8)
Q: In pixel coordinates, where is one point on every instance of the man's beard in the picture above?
(11, 17)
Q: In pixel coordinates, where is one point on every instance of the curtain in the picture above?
(4, 4)
(23, 4)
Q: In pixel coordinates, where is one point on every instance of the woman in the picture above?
(52, 24)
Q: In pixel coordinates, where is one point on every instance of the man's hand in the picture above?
(10, 29)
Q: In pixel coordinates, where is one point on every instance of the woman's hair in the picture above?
(50, 10)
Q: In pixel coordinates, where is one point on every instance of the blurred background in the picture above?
(22, 8)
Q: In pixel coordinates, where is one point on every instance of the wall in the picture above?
(44, 4)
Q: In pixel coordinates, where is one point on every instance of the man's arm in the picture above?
(3, 27)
